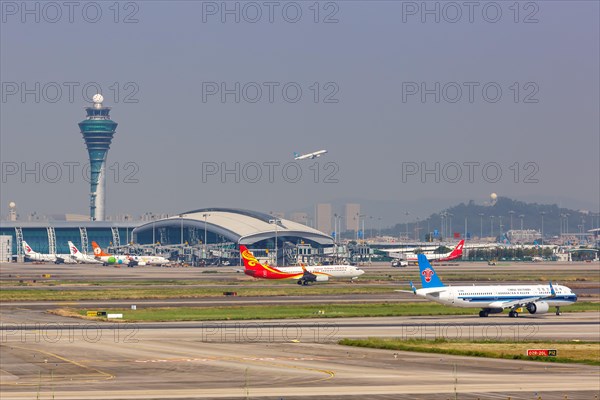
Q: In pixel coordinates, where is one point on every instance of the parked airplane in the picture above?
(304, 275)
(55, 258)
(150, 260)
(298, 156)
(536, 299)
(405, 258)
(80, 257)
(109, 259)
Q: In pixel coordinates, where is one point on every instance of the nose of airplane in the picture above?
(360, 271)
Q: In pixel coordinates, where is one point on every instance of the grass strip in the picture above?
(286, 311)
(568, 352)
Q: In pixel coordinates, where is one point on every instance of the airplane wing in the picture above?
(515, 303)
(523, 302)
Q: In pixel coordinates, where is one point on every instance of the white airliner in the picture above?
(298, 156)
(80, 257)
(537, 299)
(55, 258)
(304, 275)
(404, 258)
(150, 260)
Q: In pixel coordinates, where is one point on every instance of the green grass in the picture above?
(60, 294)
(292, 311)
(568, 352)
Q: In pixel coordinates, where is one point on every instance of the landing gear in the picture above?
(300, 282)
(513, 314)
(557, 310)
(483, 313)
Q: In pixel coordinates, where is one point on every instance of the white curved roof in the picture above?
(244, 226)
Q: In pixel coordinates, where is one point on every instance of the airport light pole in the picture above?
(491, 225)
(181, 225)
(521, 216)
(406, 223)
(542, 213)
(511, 212)
(205, 233)
(275, 221)
(335, 232)
(480, 225)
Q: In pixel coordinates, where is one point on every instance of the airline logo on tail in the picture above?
(98, 250)
(73, 248)
(429, 279)
(458, 250)
(26, 248)
(250, 262)
(428, 273)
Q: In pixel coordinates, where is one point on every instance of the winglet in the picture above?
(413, 288)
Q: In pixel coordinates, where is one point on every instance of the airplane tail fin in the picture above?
(429, 278)
(458, 250)
(27, 249)
(250, 262)
(296, 154)
(72, 249)
(98, 250)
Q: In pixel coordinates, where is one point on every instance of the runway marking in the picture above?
(106, 375)
(268, 361)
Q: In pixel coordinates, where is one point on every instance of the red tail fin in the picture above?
(250, 262)
(458, 250)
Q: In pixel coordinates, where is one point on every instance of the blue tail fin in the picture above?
(296, 154)
(429, 278)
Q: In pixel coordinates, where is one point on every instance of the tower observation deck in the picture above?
(97, 130)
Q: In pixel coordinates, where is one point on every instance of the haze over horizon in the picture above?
(369, 95)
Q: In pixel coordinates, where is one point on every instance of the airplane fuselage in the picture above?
(333, 271)
(494, 296)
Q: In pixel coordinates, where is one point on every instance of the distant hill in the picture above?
(496, 218)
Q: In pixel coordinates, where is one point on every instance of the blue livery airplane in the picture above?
(536, 299)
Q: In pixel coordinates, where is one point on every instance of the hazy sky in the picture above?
(385, 88)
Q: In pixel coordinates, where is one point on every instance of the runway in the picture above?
(47, 356)
(159, 363)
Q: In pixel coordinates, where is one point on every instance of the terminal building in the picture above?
(191, 229)
(228, 225)
(52, 236)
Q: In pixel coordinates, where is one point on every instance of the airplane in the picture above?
(55, 258)
(80, 257)
(109, 259)
(304, 275)
(404, 259)
(150, 260)
(536, 299)
(311, 156)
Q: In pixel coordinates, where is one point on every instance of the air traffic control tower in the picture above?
(97, 130)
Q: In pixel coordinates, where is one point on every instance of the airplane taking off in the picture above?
(80, 257)
(536, 299)
(311, 156)
(304, 275)
(107, 259)
(413, 258)
(55, 258)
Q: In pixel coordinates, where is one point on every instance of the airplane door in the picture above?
(451, 296)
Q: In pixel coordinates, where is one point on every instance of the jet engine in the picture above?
(540, 307)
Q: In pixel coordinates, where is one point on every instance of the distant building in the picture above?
(323, 217)
(351, 216)
(300, 217)
(523, 236)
